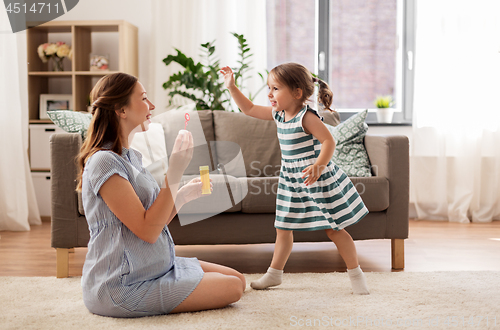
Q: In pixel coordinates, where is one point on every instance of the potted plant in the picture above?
(201, 82)
(384, 110)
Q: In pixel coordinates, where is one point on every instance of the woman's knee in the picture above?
(243, 281)
(234, 288)
(209, 267)
(240, 276)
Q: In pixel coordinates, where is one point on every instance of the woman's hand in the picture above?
(228, 77)
(312, 172)
(190, 191)
(182, 152)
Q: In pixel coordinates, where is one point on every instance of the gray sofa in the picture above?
(234, 140)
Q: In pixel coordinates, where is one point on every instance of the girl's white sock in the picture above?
(358, 281)
(271, 278)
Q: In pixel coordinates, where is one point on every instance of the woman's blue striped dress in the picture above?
(124, 276)
(332, 202)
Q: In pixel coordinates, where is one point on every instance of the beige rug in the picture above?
(442, 300)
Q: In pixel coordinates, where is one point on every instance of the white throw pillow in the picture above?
(151, 144)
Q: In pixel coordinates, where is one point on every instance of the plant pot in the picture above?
(384, 115)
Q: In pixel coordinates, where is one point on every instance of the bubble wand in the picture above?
(183, 131)
(187, 117)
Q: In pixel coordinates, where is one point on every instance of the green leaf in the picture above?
(202, 82)
(384, 101)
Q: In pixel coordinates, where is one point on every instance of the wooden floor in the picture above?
(432, 246)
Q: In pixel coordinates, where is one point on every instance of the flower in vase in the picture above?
(41, 52)
(58, 49)
(51, 49)
(63, 51)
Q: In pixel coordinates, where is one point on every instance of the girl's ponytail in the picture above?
(325, 94)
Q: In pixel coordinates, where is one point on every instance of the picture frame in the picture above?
(49, 102)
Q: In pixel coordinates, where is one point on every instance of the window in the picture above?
(361, 48)
(365, 49)
(291, 35)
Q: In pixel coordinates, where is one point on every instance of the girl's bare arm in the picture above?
(313, 125)
(245, 105)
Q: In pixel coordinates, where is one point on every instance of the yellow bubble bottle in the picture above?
(205, 180)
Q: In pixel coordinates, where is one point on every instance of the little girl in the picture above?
(313, 193)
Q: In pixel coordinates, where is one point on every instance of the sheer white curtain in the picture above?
(189, 23)
(456, 138)
(18, 208)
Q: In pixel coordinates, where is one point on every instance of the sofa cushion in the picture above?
(71, 121)
(261, 197)
(220, 199)
(201, 127)
(329, 117)
(257, 139)
(350, 153)
(151, 145)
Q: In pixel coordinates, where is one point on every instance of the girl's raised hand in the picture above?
(228, 76)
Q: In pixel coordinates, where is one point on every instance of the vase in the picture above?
(57, 63)
(384, 115)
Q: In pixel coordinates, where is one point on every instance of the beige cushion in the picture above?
(200, 126)
(257, 139)
(261, 197)
(330, 118)
(218, 201)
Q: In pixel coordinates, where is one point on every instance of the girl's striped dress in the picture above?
(332, 202)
